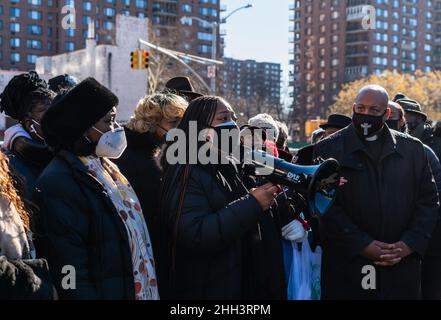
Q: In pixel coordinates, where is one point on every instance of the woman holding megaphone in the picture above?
(220, 237)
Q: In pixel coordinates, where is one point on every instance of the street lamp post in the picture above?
(214, 26)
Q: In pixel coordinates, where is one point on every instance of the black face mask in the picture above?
(412, 125)
(393, 124)
(367, 125)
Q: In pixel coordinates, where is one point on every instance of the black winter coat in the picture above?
(434, 249)
(81, 227)
(139, 164)
(434, 142)
(428, 138)
(219, 255)
(391, 201)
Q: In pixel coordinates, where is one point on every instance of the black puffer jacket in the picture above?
(81, 228)
(219, 254)
(139, 164)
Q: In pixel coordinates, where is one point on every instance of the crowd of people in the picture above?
(81, 192)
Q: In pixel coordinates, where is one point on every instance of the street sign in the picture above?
(211, 72)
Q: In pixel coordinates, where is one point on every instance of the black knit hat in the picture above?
(411, 106)
(18, 95)
(76, 111)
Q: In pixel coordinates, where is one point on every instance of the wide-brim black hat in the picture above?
(339, 121)
(182, 86)
(76, 111)
(399, 96)
(411, 106)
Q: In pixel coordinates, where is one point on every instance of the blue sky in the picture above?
(259, 33)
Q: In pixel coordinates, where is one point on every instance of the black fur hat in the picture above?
(73, 113)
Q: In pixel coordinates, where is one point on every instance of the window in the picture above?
(34, 44)
(34, 29)
(108, 25)
(70, 32)
(15, 12)
(205, 36)
(34, 15)
(187, 8)
(69, 46)
(15, 27)
(87, 6)
(32, 58)
(87, 19)
(208, 12)
(15, 57)
(15, 42)
(204, 49)
(35, 2)
(110, 12)
(141, 4)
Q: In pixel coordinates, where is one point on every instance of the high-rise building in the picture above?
(437, 27)
(256, 82)
(338, 41)
(32, 28)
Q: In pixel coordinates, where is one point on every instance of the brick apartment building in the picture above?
(330, 45)
(257, 82)
(33, 28)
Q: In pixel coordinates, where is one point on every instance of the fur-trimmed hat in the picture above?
(73, 113)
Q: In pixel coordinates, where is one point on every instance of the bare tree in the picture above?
(162, 67)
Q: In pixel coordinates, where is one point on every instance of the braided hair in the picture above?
(22, 94)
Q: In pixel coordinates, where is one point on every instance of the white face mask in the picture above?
(111, 144)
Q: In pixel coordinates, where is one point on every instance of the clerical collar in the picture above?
(373, 138)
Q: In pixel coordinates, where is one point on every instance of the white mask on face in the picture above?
(111, 144)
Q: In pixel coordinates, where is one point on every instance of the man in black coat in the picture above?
(380, 225)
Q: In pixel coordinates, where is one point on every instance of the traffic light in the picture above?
(145, 59)
(134, 59)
